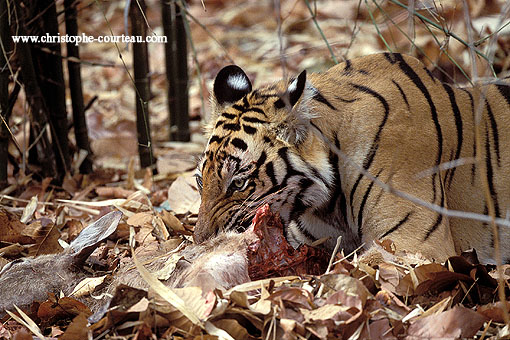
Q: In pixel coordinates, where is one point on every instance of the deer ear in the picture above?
(230, 85)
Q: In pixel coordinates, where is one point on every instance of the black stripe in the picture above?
(434, 227)
(391, 57)
(262, 159)
(290, 171)
(232, 127)
(305, 232)
(397, 226)
(234, 159)
(228, 115)
(219, 123)
(240, 108)
(402, 93)
(269, 192)
(473, 172)
(320, 98)
(314, 170)
(253, 120)
(315, 126)
(267, 140)
(223, 205)
(439, 216)
(430, 74)
(494, 129)
(409, 72)
(371, 153)
(270, 173)
(215, 139)
(474, 148)
(505, 91)
(362, 206)
(490, 175)
(256, 109)
(348, 66)
(249, 129)
(345, 100)
(337, 185)
(299, 207)
(458, 126)
(239, 143)
(279, 104)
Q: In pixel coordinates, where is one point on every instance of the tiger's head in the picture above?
(251, 157)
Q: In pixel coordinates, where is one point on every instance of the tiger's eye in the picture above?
(199, 183)
(238, 183)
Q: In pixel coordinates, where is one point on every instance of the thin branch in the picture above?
(314, 18)
(377, 28)
(445, 30)
(420, 49)
(481, 162)
(206, 30)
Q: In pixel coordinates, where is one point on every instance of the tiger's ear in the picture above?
(230, 85)
(294, 129)
(296, 88)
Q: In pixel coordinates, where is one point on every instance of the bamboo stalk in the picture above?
(142, 83)
(53, 86)
(5, 38)
(38, 113)
(176, 54)
(75, 86)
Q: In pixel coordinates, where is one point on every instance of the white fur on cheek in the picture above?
(238, 82)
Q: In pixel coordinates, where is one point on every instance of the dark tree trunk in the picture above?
(5, 38)
(176, 53)
(39, 113)
(142, 83)
(53, 86)
(75, 85)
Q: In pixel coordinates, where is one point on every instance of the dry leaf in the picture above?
(113, 192)
(172, 222)
(458, 322)
(54, 309)
(22, 334)
(87, 286)
(77, 329)
(29, 210)
(142, 219)
(183, 195)
(233, 328)
(46, 236)
(169, 267)
(493, 311)
(12, 230)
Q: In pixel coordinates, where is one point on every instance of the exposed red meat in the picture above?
(271, 255)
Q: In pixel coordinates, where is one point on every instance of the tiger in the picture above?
(387, 114)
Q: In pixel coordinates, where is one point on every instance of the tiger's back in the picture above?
(387, 114)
